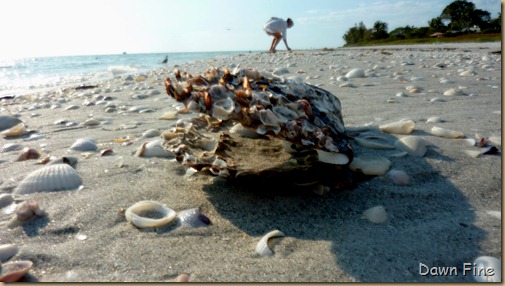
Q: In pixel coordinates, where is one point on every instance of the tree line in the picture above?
(459, 17)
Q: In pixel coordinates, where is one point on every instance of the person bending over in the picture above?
(277, 27)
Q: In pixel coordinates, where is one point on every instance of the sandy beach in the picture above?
(448, 215)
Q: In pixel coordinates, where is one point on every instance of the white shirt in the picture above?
(276, 25)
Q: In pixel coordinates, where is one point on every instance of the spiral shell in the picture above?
(50, 178)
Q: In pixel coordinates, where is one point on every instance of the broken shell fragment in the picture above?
(146, 214)
(28, 154)
(262, 247)
(377, 166)
(153, 149)
(15, 270)
(400, 127)
(15, 131)
(415, 146)
(332, 157)
(446, 133)
(7, 251)
(376, 214)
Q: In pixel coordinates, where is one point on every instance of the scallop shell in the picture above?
(376, 214)
(136, 214)
(399, 127)
(84, 145)
(7, 121)
(49, 179)
(415, 146)
(446, 133)
(262, 246)
(487, 262)
(193, 218)
(15, 131)
(355, 73)
(373, 166)
(14, 271)
(153, 149)
(11, 147)
(332, 157)
(7, 251)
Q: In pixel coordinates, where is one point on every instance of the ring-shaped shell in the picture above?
(134, 214)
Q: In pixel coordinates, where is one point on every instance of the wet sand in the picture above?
(448, 215)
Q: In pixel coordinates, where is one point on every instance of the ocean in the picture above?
(19, 76)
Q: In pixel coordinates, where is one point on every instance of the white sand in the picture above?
(445, 217)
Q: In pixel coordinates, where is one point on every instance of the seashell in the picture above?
(91, 122)
(481, 151)
(347, 84)
(7, 251)
(153, 149)
(5, 200)
(106, 152)
(371, 166)
(446, 133)
(399, 127)
(454, 91)
(151, 133)
(15, 131)
(72, 107)
(401, 94)
(11, 147)
(434, 119)
(437, 99)
(7, 122)
(49, 179)
(376, 214)
(415, 146)
(193, 218)
(84, 145)
(242, 131)
(69, 160)
(34, 136)
(355, 73)
(487, 262)
(332, 157)
(223, 108)
(138, 214)
(399, 177)
(28, 154)
(168, 115)
(139, 108)
(468, 72)
(262, 247)
(15, 270)
(374, 145)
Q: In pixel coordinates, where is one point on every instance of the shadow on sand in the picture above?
(430, 221)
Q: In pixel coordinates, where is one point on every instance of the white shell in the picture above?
(477, 153)
(134, 214)
(454, 91)
(354, 73)
(49, 179)
(222, 109)
(84, 145)
(376, 214)
(415, 146)
(7, 251)
(91, 122)
(168, 115)
(399, 127)
(399, 177)
(262, 246)
(242, 131)
(376, 166)
(446, 133)
(434, 119)
(153, 149)
(7, 121)
(487, 262)
(151, 133)
(332, 157)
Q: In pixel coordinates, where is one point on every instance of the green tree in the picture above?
(379, 31)
(463, 15)
(437, 25)
(356, 34)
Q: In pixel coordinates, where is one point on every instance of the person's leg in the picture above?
(275, 42)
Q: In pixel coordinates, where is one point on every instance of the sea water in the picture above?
(18, 76)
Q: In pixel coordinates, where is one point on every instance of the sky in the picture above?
(30, 28)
